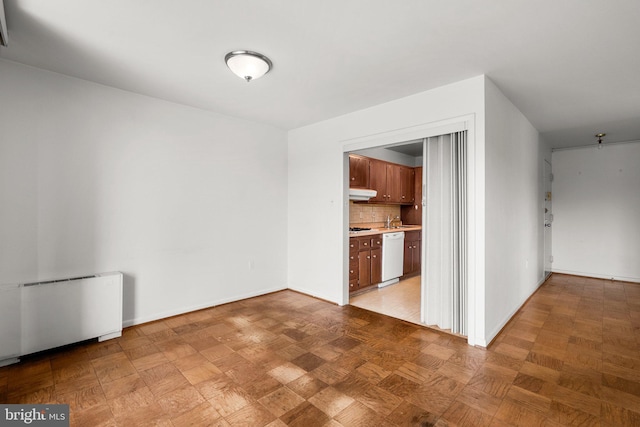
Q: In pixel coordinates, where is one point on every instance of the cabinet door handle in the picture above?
(373, 256)
(368, 257)
(353, 178)
(350, 271)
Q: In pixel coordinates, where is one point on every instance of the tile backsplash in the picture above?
(361, 213)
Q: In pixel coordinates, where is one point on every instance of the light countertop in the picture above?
(382, 230)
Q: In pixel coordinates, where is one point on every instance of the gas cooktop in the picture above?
(359, 229)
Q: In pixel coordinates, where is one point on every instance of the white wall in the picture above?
(189, 204)
(18, 180)
(596, 210)
(318, 209)
(514, 209)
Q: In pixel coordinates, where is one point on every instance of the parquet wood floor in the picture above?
(571, 356)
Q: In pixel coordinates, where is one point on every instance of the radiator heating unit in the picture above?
(43, 315)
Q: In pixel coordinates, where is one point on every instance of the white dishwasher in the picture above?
(392, 257)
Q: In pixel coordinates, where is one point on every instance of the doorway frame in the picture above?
(475, 209)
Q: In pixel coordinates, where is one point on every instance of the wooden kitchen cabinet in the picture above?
(413, 214)
(358, 171)
(412, 248)
(378, 180)
(376, 266)
(364, 269)
(394, 183)
(376, 259)
(407, 185)
(365, 262)
(353, 264)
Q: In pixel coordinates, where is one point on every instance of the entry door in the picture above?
(548, 218)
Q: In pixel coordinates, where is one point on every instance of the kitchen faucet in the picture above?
(393, 223)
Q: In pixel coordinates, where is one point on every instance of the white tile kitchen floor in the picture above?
(401, 300)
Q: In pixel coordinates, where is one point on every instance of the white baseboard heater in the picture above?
(43, 315)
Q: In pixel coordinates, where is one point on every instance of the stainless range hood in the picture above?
(361, 194)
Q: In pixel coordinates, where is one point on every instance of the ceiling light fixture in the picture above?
(248, 65)
(599, 136)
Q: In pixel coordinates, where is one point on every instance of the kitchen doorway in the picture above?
(439, 259)
(402, 298)
(450, 247)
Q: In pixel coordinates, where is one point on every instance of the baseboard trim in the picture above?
(313, 294)
(510, 317)
(209, 304)
(597, 276)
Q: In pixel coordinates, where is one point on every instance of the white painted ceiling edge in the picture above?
(398, 136)
(568, 66)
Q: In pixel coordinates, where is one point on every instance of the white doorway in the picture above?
(475, 183)
(438, 296)
(401, 299)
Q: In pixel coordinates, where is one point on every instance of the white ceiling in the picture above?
(571, 66)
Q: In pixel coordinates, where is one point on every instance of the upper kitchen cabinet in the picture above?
(378, 180)
(407, 185)
(394, 183)
(413, 214)
(358, 171)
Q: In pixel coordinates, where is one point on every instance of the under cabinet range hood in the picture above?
(361, 194)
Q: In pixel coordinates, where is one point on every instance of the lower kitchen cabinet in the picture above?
(376, 266)
(353, 264)
(412, 247)
(365, 262)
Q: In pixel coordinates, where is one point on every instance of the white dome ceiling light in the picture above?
(248, 65)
